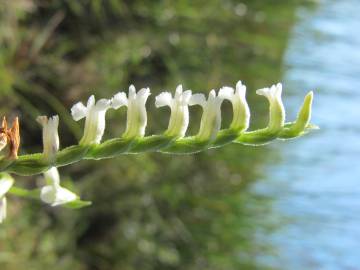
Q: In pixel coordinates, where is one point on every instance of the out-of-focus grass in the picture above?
(150, 211)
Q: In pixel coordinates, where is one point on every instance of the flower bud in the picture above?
(211, 117)
(179, 118)
(50, 136)
(241, 111)
(136, 110)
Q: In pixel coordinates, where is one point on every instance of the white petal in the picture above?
(226, 92)
(119, 100)
(197, 99)
(163, 99)
(143, 94)
(52, 176)
(54, 121)
(78, 111)
(6, 183)
(56, 195)
(103, 104)
(42, 120)
(90, 102)
(212, 95)
(132, 91)
(3, 210)
(240, 89)
(267, 92)
(178, 91)
(278, 90)
(186, 97)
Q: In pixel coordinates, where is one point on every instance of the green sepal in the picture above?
(257, 137)
(150, 143)
(29, 165)
(225, 136)
(187, 145)
(77, 204)
(71, 154)
(109, 148)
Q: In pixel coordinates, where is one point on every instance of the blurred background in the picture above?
(289, 205)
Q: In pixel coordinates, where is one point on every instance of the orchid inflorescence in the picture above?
(133, 140)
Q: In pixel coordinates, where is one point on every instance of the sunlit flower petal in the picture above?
(277, 110)
(179, 118)
(241, 111)
(211, 117)
(136, 110)
(95, 119)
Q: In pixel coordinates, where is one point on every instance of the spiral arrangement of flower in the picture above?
(133, 140)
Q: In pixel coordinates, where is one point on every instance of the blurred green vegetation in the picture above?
(149, 211)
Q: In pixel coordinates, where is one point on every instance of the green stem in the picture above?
(36, 164)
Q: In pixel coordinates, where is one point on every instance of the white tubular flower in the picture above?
(50, 136)
(211, 117)
(277, 110)
(136, 110)
(94, 114)
(53, 193)
(241, 111)
(179, 118)
(6, 182)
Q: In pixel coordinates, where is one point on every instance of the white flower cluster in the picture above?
(94, 112)
(135, 101)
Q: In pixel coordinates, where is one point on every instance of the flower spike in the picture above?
(6, 182)
(277, 110)
(50, 136)
(136, 110)
(211, 117)
(179, 118)
(241, 111)
(94, 114)
(53, 193)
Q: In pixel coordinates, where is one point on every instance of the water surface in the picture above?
(316, 183)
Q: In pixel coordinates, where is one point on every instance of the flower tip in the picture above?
(212, 94)
(240, 88)
(91, 101)
(132, 90)
(179, 89)
(310, 94)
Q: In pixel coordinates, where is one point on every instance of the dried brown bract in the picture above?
(11, 137)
